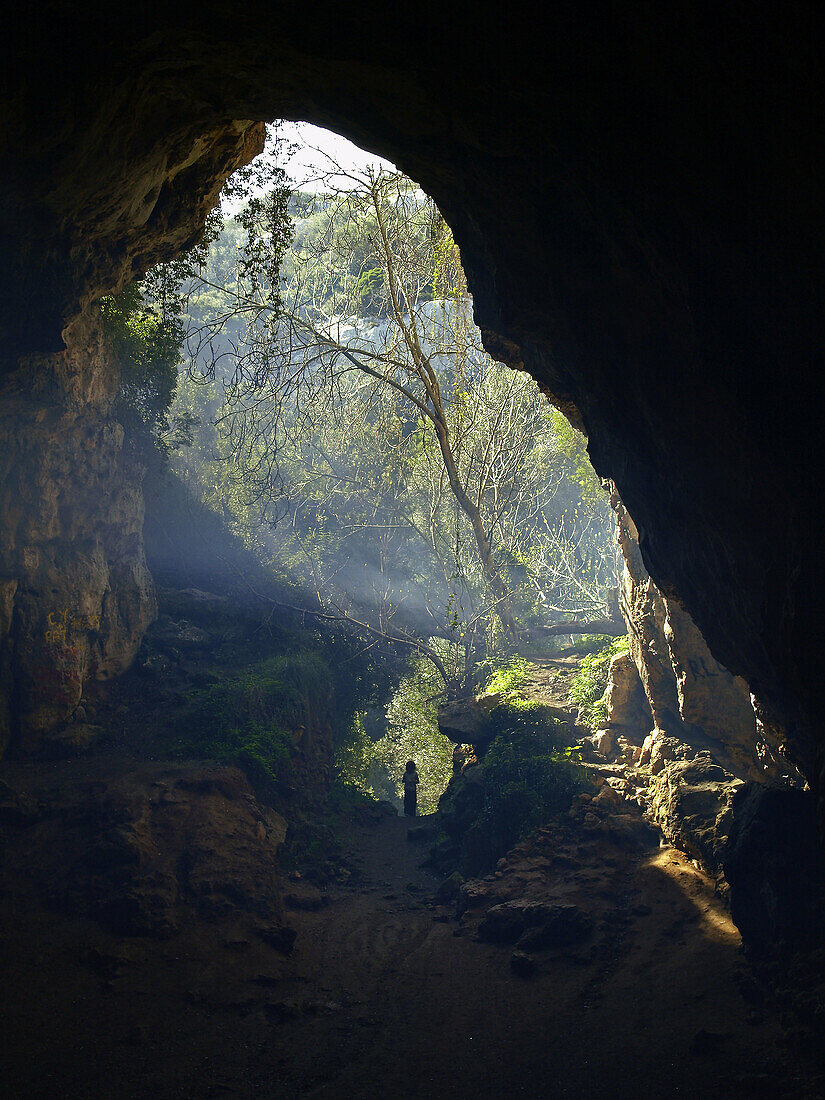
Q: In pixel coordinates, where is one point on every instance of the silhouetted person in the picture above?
(411, 781)
(459, 759)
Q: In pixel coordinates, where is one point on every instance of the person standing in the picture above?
(459, 759)
(410, 780)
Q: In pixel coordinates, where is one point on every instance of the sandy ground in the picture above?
(386, 993)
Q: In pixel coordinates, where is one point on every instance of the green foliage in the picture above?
(147, 346)
(528, 777)
(322, 429)
(413, 734)
(150, 322)
(249, 720)
(508, 680)
(448, 274)
(590, 683)
(374, 764)
(573, 445)
(585, 644)
(354, 758)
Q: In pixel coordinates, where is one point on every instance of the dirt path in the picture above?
(652, 1006)
(387, 993)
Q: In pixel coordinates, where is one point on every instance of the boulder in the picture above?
(603, 742)
(522, 964)
(466, 721)
(179, 635)
(690, 801)
(607, 798)
(627, 706)
(450, 889)
(549, 925)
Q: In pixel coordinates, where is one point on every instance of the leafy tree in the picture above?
(421, 489)
(146, 345)
(149, 322)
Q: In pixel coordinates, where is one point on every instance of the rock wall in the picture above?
(75, 594)
(145, 848)
(691, 697)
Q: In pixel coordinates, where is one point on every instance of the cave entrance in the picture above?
(335, 406)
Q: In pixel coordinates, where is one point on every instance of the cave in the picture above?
(634, 192)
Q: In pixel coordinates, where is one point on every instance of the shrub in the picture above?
(590, 683)
(529, 773)
(249, 720)
(528, 776)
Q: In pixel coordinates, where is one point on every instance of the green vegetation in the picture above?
(528, 773)
(250, 720)
(374, 764)
(150, 326)
(526, 780)
(508, 680)
(590, 684)
(354, 432)
(146, 341)
(411, 495)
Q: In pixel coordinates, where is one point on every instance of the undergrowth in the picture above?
(527, 780)
(590, 683)
(529, 772)
(248, 720)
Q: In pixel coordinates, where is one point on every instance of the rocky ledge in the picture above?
(143, 848)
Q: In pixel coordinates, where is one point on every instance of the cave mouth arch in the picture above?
(575, 172)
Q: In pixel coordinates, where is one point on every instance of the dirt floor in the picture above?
(386, 992)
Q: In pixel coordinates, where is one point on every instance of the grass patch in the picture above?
(508, 680)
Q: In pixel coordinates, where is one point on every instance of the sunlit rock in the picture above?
(690, 800)
(627, 707)
(467, 721)
(691, 697)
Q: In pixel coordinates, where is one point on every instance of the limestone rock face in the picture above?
(76, 596)
(692, 699)
(710, 697)
(691, 800)
(777, 885)
(627, 706)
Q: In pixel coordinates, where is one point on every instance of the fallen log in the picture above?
(614, 627)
